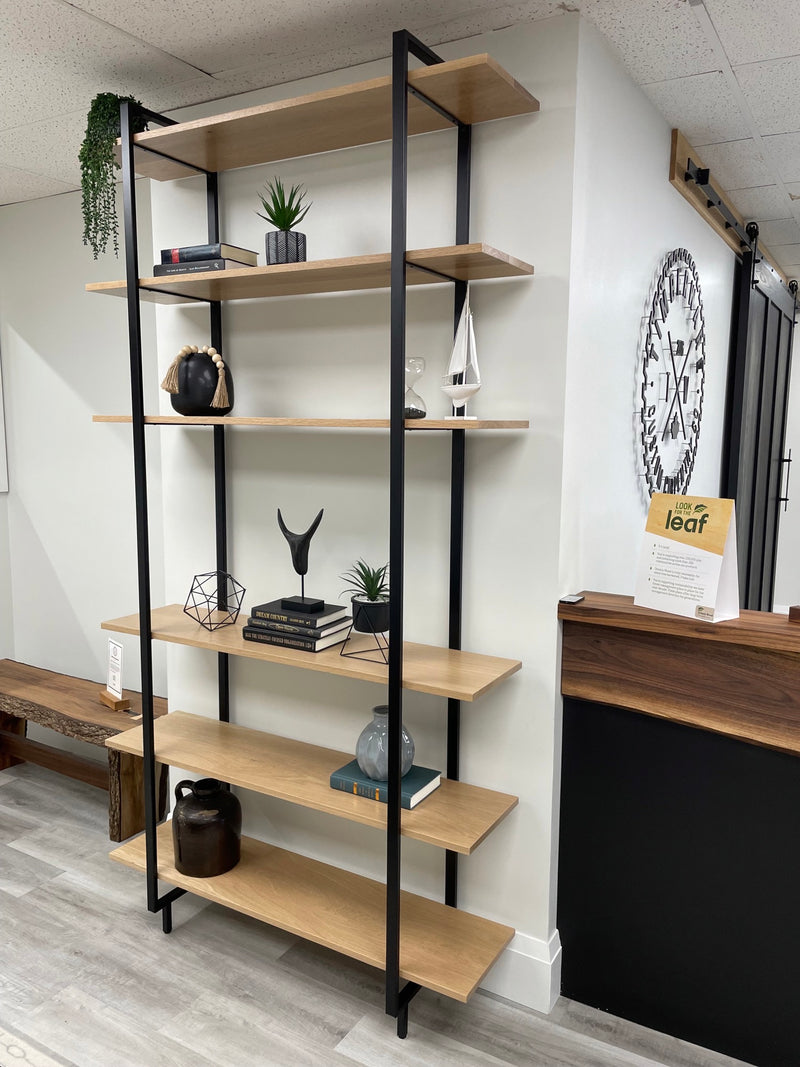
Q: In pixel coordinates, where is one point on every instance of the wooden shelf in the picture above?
(474, 89)
(426, 668)
(456, 816)
(441, 948)
(472, 262)
(334, 424)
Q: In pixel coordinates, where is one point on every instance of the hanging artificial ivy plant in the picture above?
(98, 180)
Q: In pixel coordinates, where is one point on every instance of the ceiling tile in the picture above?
(784, 152)
(779, 232)
(56, 57)
(771, 90)
(751, 32)
(701, 106)
(46, 148)
(765, 202)
(17, 185)
(263, 32)
(656, 39)
(789, 257)
(736, 165)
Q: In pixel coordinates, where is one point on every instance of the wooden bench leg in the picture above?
(11, 724)
(126, 794)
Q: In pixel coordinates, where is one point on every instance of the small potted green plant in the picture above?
(98, 171)
(369, 587)
(284, 212)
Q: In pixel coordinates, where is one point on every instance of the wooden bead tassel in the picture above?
(170, 382)
(221, 394)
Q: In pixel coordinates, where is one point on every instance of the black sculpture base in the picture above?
(308, 605)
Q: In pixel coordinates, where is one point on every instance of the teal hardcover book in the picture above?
(417, 784)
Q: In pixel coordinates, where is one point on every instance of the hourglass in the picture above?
(414, 405)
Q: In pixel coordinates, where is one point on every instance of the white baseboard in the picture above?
(528, 972)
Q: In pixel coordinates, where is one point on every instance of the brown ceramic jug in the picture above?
(206, 828)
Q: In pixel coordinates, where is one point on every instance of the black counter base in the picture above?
(679, 881)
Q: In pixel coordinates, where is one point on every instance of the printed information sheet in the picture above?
(688, 560)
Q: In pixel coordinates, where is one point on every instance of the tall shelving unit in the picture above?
(415, 940)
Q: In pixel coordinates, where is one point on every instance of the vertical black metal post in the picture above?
(140, 484)
(220, 485)
(396, 508)
(457, 471)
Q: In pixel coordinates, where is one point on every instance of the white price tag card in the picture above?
(114, 685)
(688, 560)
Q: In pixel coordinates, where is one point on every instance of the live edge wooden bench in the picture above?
(72, 707)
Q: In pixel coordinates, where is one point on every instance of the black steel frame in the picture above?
(404, 45)
(155, 902)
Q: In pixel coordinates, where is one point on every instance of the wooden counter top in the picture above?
(758, 629)
(740, 678)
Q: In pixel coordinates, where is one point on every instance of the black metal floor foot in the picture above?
(166, 918)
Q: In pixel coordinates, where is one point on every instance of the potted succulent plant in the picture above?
(284, 212)
(98, 167)
(369, 587)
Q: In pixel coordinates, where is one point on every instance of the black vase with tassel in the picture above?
(199, 382)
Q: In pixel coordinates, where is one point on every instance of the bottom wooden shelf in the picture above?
(441, 948)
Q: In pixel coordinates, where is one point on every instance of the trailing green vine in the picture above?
(98, 180)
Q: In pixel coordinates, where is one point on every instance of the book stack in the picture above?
(415, 785)
(193, 259)
(273, 625)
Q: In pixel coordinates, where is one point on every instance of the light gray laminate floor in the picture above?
(88, 979)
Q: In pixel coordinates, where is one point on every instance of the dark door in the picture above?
(752, 469)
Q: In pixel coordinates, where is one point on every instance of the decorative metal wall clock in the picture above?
(673, 375)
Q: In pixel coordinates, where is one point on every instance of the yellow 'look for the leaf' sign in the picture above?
(688, 560)
(692, 520)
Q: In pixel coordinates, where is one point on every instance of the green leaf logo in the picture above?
(700, 507)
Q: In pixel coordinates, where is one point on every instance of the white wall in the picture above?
(70, 513)
(627, 217)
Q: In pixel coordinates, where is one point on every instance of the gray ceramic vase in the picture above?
(372, 747)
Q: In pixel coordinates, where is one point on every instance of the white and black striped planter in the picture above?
(286, 246)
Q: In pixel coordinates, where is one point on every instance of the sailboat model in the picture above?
(463, 377)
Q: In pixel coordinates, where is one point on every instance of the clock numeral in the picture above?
(691, 295)
(671, 288)
(662, 303)
(652, 354)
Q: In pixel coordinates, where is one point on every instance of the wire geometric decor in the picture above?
(214, 600)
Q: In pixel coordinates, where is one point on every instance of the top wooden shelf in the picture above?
(472, 262)
(474, 89)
